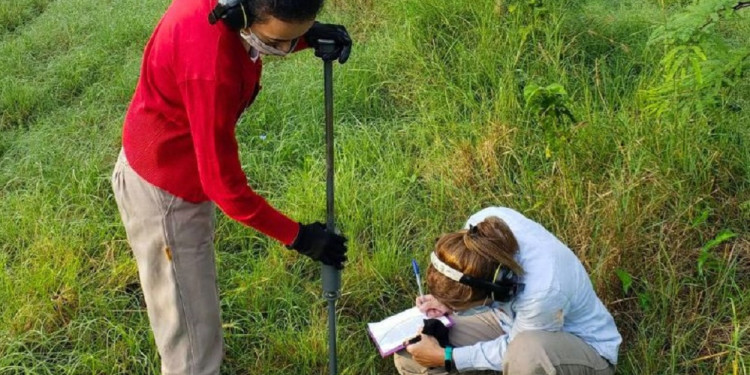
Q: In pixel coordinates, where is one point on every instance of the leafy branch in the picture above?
(698, 60)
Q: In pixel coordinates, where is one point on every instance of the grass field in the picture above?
(622, 126)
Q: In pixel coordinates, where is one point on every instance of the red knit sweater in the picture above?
(179, 131)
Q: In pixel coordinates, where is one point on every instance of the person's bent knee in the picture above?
(405, 365)
(526, 355)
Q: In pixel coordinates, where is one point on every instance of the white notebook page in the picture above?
(390, 333)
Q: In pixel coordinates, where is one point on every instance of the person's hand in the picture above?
(315, 241)
(431, 307)
(336, 33)
(427, 352)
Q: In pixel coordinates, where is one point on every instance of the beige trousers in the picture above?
(530, 353)
(172, 241)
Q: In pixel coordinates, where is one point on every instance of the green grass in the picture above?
(431, 126)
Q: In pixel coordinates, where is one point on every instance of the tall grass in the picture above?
(432, 124)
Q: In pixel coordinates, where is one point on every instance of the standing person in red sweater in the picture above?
(201, 69)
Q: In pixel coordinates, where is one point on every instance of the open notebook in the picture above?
(390, 333)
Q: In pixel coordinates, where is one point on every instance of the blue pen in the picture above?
(416, 273)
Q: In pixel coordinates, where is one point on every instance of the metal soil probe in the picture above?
(331, 276)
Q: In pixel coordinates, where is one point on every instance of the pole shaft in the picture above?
(332, 357)
(328, 82)
(331, 276)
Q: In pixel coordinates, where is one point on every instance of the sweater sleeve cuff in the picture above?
(462, 358)
(276, 225)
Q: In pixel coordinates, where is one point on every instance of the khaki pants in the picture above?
(172, 241)
(530, 353)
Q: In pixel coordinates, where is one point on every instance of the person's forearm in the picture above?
(212, 111)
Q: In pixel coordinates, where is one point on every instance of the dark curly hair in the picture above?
(285, 10)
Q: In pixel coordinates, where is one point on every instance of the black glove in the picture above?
(438, 330)
(434, 328)
(337, 33)
(315, 241)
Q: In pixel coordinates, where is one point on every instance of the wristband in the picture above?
(448, 358)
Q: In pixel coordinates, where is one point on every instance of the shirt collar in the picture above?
(254, 54)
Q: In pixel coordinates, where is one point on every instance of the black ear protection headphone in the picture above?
(503, 287)
(237, 14)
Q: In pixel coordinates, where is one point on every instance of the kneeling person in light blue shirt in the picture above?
(522, 302)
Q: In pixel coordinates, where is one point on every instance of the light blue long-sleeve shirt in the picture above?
(558, 296)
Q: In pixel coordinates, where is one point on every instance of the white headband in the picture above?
(445, 269)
